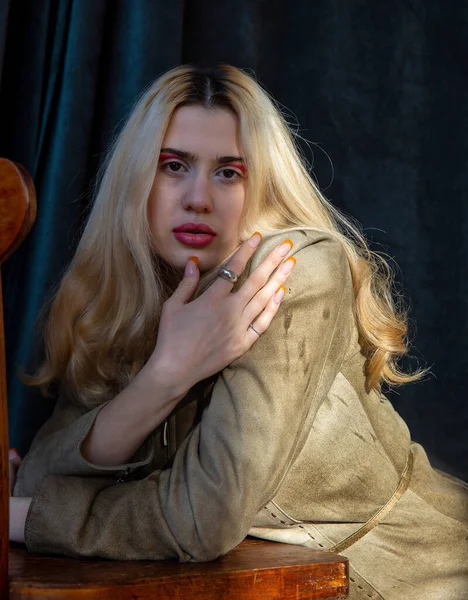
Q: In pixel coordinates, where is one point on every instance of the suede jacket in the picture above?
(285, 443)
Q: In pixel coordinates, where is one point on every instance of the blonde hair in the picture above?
(103, 321)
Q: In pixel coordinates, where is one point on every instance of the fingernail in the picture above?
(285, 247)
(12, 452)
(255, 239)
(279, 294)
(287, 266)
(191, 266)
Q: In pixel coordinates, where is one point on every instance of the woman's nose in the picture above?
(198, 195)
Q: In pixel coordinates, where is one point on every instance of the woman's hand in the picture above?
(14, 461)
(200, 338)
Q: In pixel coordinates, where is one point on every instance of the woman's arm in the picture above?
(233, 462)
(104, 440)
(124, 423)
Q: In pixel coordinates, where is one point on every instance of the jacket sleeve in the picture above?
(56, 449)
(232, 463)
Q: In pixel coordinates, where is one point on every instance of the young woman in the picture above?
(194, 408)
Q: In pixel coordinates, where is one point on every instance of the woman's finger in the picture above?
(237, 263)
(264, 319)
(260, 276)
(262, 298)
(188, 283)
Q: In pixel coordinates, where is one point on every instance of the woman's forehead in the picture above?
(202, 131)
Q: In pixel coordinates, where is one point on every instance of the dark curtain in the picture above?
(380, 88)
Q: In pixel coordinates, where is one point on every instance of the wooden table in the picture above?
(256, 569)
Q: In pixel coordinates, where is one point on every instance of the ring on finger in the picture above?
(257, 332)
(227, 274)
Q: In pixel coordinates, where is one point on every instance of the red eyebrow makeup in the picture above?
(164, 156)
(240, 166)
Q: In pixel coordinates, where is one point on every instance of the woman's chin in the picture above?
(177, 261)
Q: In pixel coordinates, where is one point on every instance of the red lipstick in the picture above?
(194, 234)
(194, 239)
(193, 227)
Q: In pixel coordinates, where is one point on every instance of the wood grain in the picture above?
(254, 570)
(17, 206)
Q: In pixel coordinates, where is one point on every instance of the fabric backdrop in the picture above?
(379, 88)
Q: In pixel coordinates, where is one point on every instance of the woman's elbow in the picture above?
(219, 535)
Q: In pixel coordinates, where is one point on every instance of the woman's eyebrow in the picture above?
(193, 157)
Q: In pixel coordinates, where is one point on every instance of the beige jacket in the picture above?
(284, 444)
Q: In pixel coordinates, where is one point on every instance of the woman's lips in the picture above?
(194, 239)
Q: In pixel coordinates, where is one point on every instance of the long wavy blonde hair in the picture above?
(103, 320)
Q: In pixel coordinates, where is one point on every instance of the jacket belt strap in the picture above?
(382, 512)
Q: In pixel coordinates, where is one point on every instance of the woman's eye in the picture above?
(173, 166)
(230, 174)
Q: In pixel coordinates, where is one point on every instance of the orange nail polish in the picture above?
(255, 241)
(288, 265)
(285, 247)
(279, 294)
(195, 259)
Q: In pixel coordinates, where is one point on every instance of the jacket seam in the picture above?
(285, 513)
(379, 595)
(299, 524)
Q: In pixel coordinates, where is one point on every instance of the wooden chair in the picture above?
(255, 569)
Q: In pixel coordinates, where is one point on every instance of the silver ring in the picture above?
(228, 275)
(251, 325)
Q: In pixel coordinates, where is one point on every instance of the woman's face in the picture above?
(201, 178)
